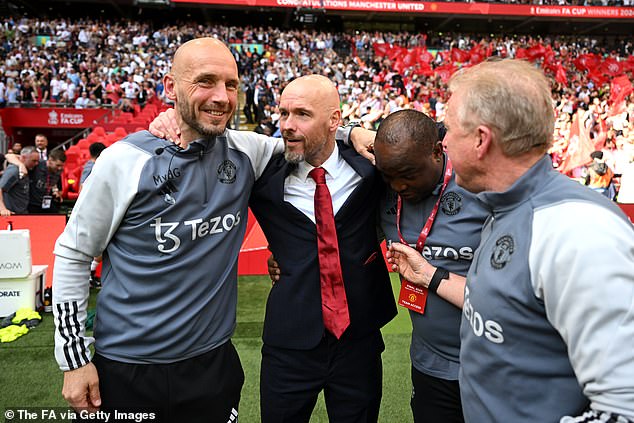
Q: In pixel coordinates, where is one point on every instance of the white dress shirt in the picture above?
(341, 179)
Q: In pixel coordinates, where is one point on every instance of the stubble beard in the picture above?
(188, 116)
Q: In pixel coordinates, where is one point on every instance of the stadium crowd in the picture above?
(94, 63)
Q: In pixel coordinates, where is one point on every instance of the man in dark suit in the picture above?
(304, 351)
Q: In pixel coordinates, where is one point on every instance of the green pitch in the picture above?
(29, 376)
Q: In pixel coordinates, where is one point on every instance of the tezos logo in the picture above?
(227, 172)
(502, 251)
(451, 203)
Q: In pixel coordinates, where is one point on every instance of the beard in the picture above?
(189, 117)
(310, 151)
(292, 157)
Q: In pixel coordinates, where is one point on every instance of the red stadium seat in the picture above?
(70, 181)
(121, 132)
(99, 130)
(84, 143)
(111, 139)
(72, 158)
(124, 117)
(151, 108)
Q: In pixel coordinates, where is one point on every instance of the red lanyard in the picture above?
(432, 216)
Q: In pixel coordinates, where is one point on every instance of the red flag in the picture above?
(611, 67)
(381, 49)
(477, 54)
(489, 50)
(560, 75)
(424, 69)
(399, 66)
(425, 56)
(549, 56)
(601, 136)
(396, 52)
(445, 72)
(520, 53)
(445, 56)
(620, 88)
(535, 52)
(580, 146)
(588, 61)
(597, 77)
(458, 55)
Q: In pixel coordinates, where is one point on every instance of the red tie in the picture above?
(334, 304)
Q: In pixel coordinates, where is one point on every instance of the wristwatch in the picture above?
(438, 276)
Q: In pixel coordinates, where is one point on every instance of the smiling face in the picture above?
(41, 142)
(204, 84)
(309, 116)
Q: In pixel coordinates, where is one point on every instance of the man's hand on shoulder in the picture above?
(81, 388)
(166, 126)
(363, 142)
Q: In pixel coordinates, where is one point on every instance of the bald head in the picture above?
(310, 115)
(194, 50)
(316, 89)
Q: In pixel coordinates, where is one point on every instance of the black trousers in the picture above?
(435, 400)
(349, 371)
(205, 388)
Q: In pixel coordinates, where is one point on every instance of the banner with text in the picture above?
(598, 12)
(46, 117)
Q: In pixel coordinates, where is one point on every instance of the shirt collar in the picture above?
(331, 165)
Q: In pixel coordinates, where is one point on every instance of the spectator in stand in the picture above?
(41, 146)
(69, 91)
(599, 177)
(12, 92)
(14, 186)
(45, 196)
(130, 89)
(83, 101)
(56, 88)
(125, 105)
(3, 94)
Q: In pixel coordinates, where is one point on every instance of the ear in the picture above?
(335, 119)
(169, 85)
(437, 151)
(484, 141)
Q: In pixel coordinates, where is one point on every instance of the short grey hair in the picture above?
(513, 98)
(27, 151)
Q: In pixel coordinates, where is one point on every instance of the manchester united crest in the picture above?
(451, 203)
(502, 252)
(227, 172)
